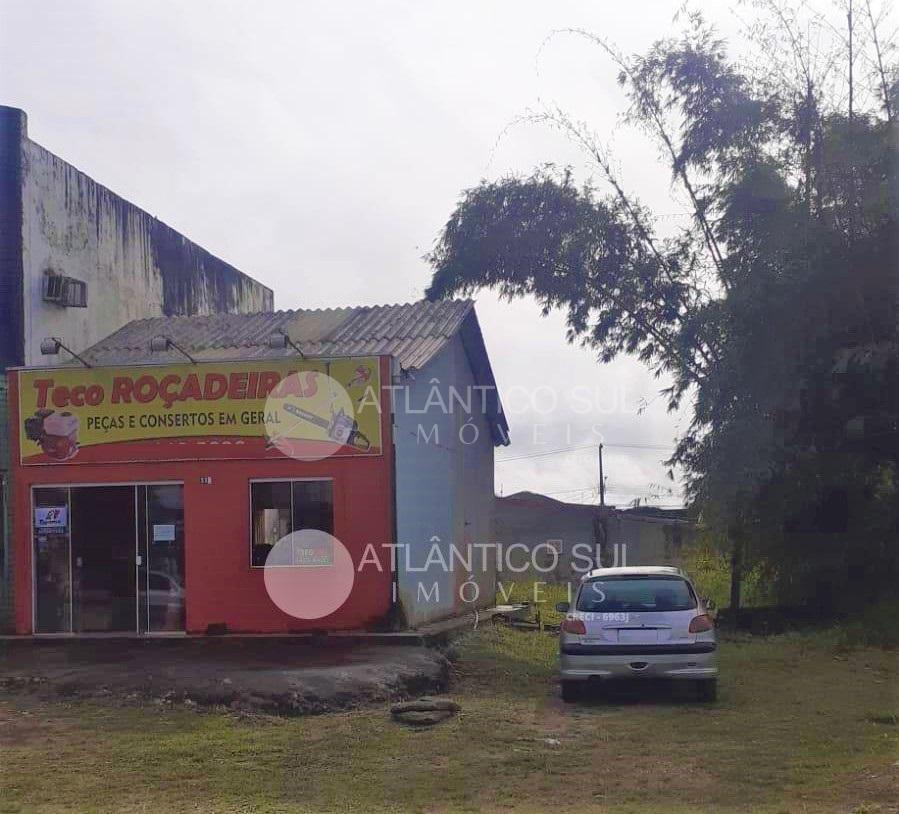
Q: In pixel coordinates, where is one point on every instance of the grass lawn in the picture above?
(799, 727)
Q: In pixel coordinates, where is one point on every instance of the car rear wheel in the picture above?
(571, 691)
(707, 689)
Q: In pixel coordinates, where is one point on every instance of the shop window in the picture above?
(281, 507)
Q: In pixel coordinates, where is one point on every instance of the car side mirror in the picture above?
(563, 607)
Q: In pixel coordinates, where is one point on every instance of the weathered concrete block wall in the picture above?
(53, 217)
(134, 265)
(627, 537)
(533, 521)
(650, 540)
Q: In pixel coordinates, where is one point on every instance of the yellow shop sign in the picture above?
(297, 408)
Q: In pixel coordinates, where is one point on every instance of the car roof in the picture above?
(634, 570)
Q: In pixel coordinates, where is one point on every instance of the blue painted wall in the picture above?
(444, 489)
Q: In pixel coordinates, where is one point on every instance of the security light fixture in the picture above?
(280, 340)
(51, 345)
(160, 344)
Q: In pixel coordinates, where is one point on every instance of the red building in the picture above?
(152, 489)
(105, 550)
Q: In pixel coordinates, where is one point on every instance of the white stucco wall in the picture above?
(444, 489)
(134, 265)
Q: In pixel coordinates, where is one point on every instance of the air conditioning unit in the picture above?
(54, 287)
(75, 295)
(65, 291)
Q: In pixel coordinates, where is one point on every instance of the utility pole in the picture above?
(602, 481)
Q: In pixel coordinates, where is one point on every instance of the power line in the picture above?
(619, 492)
(590, 489)
(640, 446)
(544, 454)
(591, 492)
(564, 450)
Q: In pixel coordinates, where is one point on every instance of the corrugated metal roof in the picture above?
(412, 333)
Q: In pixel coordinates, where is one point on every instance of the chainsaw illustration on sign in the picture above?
(55, 433)
(341, 428)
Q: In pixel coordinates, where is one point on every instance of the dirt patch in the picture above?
(876, 789)
(276, 676)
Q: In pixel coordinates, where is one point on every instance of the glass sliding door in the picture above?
(103, 559)
(161, 558)
(108, 559)
(52, 561)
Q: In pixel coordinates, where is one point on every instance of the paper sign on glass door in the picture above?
(163, 532)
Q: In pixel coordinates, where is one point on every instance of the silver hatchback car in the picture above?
(637, 622)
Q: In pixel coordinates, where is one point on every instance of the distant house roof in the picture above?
(657, 513)
(532, 504)
(652, 513)
(536, 499)
(413, 333)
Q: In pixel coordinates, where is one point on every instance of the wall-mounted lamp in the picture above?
(160, 344)
(280, 340)
(50, 347)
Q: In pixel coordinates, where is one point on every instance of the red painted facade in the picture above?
(220, 585)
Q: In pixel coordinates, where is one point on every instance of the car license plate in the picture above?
(638, 636)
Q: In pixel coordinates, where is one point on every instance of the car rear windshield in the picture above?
(634, 593)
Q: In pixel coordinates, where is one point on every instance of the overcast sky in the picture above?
(320, 146)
